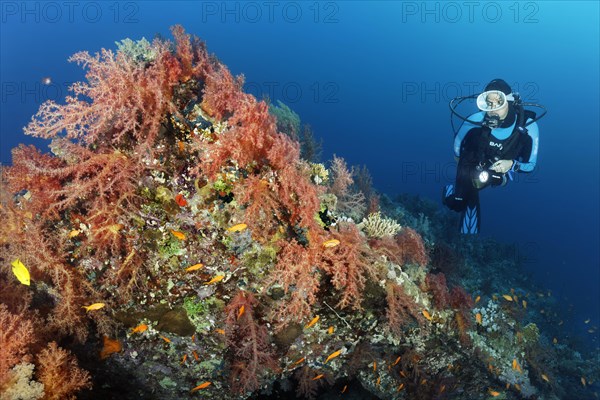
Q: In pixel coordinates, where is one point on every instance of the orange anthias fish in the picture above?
(194, 267)
(333, 355)
(178, 235)
(299, 361)
(397, 360)
(110, 346)
(166, 339)
(493, 393)
(478, 318)
(507, 297)
(427, 315)
(240, 312)
(331, 243)
(180, 200)
(237, 228)
(477, 299)
(545, 377)
(216, 279)
(516, 366)
(330, 330)
(201, 386)
(93, 307)
(140, 328)
(316, 378)
(312, 322)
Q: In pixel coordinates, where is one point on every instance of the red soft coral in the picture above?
(402, 309)
(60, 374)
(350, 265)
(15, 337)
(248, 341)
(296, 270)
(436, 285)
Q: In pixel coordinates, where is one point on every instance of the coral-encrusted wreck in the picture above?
(224, 264)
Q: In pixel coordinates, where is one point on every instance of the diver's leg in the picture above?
(470, 217)
(454, 196)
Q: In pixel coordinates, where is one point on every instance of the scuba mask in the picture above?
(492, 101)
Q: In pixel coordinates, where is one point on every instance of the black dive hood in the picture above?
(517, 104)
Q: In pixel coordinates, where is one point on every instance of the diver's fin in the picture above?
(469, 220)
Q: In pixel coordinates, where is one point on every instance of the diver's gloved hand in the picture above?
(502, 166)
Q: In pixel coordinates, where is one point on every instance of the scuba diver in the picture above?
(490, 146)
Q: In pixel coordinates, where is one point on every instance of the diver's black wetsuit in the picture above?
(479, 145)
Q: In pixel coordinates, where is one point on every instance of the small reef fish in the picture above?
(555, 340)
(331, 243)
(312, 322)
(493, 393)
(110, 346)
(583, 381)
(166, 339)
(178, 235)
(194, 267)
(221, 331)
(378, 381)
(400, 387)
(516, 366)
(299, 361)
(195, 354)
(507, 297)
(344, 389)
(21, 272)
(587, 321)
(518, 387)
(74, 233)
(397, 360)
(201, 386)
(240, 312)
(140, 328)
(524, 304)
(93, 307)
(477, 299)
(330, 330)
(180, 200)
(333, 355)
(374, 366)
(478, 318)
(316, 378)
(427, 315)
(216, 279)
(545, 377)
(183, 359)
(237, 228)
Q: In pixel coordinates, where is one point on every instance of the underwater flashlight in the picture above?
(483, 176)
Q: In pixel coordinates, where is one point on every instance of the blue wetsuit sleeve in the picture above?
(529, 164)
(464, 129)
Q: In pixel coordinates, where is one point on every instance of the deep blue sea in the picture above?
(374, 79)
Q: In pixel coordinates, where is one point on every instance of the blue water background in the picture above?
(374, 80)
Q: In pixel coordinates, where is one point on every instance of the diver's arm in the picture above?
(529, 164)
(464, 129)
